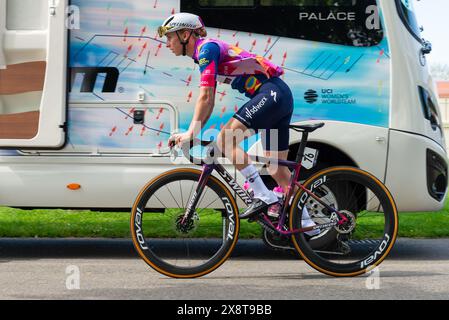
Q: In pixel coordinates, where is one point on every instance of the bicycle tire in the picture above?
(145, 244)
(368, 253)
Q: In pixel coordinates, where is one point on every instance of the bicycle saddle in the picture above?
(307, 127)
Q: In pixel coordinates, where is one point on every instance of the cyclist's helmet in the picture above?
(182, 21)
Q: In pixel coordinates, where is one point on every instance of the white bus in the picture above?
(89, 95)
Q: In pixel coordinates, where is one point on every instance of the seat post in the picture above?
(302, 146)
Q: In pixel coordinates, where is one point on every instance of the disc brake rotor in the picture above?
(348, 226)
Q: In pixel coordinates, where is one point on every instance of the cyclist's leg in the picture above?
(279, 173)
(229, 139)
(270, 108)
(276, 145)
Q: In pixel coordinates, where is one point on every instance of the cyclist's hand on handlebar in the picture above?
(179, 139)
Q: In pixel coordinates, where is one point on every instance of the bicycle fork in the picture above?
(193, 201)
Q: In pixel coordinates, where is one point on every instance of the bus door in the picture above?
(33, 55)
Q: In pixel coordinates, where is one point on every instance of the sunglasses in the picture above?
(162, 30)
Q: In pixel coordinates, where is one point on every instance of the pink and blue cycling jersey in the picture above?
(245, 71)
(271, 103)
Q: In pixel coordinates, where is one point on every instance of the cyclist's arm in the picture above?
(208, 60)
(203, 109)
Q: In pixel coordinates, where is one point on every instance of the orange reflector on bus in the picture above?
(74, 186)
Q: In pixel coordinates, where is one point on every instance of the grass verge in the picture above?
(73, 223)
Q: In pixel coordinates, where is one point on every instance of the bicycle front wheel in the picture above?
(177, 248)
(364, 240)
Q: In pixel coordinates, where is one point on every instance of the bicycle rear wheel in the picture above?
(361, 243)
(184, 249)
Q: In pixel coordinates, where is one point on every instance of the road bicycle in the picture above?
(185, 222)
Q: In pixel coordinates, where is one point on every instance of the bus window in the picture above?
(344, 22)
(429, 109)
(407, 14)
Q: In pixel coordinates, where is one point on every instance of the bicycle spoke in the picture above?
(202, 197)
(207, 207)
(161, 202)
(174, 198)
(191, 190)
(180, 191)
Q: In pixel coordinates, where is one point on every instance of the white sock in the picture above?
(260, 189)
(308, 222)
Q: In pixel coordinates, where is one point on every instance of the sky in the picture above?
(433, 15)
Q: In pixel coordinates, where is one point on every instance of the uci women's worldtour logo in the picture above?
(330, 97)
(311, 96)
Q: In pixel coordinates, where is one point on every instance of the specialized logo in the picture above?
(236, 187)
(191, 202)
(182, 24)
(311, 96)
(90, 75)
(274, 94)
(253, 110)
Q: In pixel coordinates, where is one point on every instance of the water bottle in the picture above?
(275, 209)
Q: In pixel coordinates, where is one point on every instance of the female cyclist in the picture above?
(269, 109)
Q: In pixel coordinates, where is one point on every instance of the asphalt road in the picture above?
(110, 269)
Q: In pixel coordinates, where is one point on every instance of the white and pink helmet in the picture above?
(180, 21)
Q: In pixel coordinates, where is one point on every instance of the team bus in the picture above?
(89, 94)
